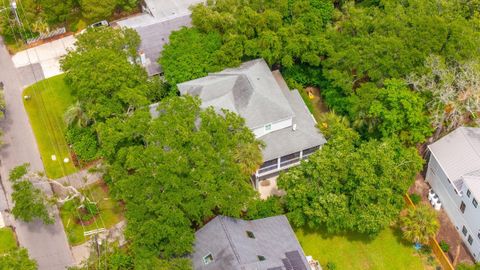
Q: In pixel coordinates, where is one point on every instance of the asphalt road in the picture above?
(46, 244)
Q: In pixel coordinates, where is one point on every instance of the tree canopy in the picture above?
(391, 111)
(17, 259)
(419, 224)
(186, 161)
(350, 185)
(393, 38)
(228, 32)
(29, 202)
(101, 73)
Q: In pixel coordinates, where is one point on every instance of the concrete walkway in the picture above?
(46, 244)
(80, 179)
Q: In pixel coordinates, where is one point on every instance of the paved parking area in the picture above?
(46, 55)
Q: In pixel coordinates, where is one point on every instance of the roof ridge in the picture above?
(234, 249)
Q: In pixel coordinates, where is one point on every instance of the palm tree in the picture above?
(419, 224)
(75, 115)
(249, 157)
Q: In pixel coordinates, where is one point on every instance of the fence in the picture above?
(442, 258)
(42, 36)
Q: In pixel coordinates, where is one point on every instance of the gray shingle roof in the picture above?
(286, 141)
(249, 90)
(226, 240)
(458, 153)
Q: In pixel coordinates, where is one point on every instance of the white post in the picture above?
(278, 163)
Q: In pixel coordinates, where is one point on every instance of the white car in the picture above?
(95, 25)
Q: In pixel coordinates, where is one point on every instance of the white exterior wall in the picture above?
(451, 203)
(259, 132)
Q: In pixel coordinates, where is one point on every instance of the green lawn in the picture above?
(7, 240)
(353, 251)
(110, 213)
(49, 100)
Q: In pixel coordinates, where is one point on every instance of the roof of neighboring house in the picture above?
(249, 90)
(162, 9)
(154, 27)
(458, 153)
(227, 241)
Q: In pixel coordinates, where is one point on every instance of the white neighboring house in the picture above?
(276, 115)
(454, 175)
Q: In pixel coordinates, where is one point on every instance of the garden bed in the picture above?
(110, 212)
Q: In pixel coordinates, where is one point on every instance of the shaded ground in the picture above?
(319, 106)
(355, 251)
(48, 101)
(447, 232)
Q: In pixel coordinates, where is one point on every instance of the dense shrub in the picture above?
(415, 198)
(444, 246)
(83, 142)
(265, 208)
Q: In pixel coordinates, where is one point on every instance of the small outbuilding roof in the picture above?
(237, 244)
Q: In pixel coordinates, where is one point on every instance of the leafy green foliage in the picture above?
(43, 16)
(196, 174)
(123, 40)
(29, 202)
(88, 211)
(83, 142)
(415, 198)
(392, 111)
(463, 266)
(102, 77)
(227, 32)
(350, 185)
(393, 39)
(265, 208)
(17, 259)
(444, 246)
(419, 224)
(190, 55)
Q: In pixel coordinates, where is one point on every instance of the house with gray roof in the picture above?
(454, 175)
(234, 244)
(274, 113)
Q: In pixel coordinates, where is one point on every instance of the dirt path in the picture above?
(319, 106)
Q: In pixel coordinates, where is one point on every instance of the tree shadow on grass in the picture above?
(350, 236)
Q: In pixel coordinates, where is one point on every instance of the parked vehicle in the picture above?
(103, 23)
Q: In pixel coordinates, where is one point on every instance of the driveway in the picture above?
(46, 56)
(46, 244)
